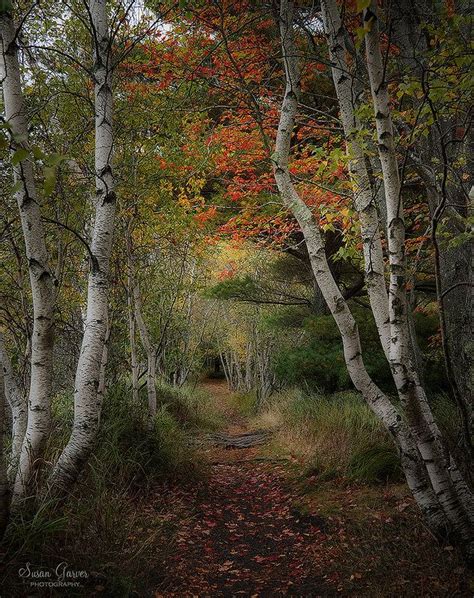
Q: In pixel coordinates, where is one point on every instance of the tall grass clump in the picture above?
(127, 448)
(117, 509)
(334, 436)
(191, 407)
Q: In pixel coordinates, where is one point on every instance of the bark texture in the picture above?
(448, 200)
(41, 278)
(452, 493)
(18, 407)
(149, 349)
(347, 87)
(4, 486)
(87, 399)
(375, 398)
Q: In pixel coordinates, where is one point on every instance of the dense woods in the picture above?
(236, 294)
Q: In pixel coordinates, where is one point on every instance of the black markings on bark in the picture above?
(110, 197)
(95, 268)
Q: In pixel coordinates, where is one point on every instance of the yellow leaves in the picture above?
(183, 199)
(189, 194)
(166, 187)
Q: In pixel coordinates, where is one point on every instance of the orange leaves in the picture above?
(204, 216)
(228, 271)
(268, 230)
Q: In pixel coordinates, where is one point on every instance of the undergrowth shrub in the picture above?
(245, 403)
(103, 514)
(318, 361)
(128, 449)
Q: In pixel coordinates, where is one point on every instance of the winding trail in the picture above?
(251, 529)
(244, 539)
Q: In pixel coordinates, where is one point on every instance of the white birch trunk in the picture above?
(103, 365)
(452, 493)
(18, 407)
(149, 349)
(41, 279)
(346, 86)
(87, 400)
(347, 326)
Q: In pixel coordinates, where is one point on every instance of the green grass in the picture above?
(191, 407)
(338, 435)
(114, 516)
(334, 436)
(245, 403)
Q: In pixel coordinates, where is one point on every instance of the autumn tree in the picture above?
(434, 478)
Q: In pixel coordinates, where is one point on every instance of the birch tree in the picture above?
(87, 399)
(397, 341)
(17, 405)
(429, 482)
(447, 187)
(452, 492)
(41, 278)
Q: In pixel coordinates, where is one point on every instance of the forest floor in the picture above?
(255, 528)
(246, 522)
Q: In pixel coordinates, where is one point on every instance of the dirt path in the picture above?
(244, 539)
(251, 529)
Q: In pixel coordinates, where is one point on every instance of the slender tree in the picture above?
(431, 474)
(17, 404)
(87, 399)
(41, 278)
(452, 492)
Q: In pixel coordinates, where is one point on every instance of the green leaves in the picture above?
(49, 179)
(50, 169)
(50, 163)
(19, 155)
(38, 153)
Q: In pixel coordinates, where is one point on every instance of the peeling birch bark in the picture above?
(453, 495)
(87, 399)
(347, 91)
(41, 278)
(375, 398)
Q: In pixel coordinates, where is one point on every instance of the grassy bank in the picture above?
(115, 518)
(337, 436)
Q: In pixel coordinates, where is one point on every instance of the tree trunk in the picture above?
(377, 401)
(41, 279)
(347, 87)
(17, 403)
(455, 501)
(103, 364)
(87, 401)
(149, 349)
(446, 198)
(133, 346)
(4, 487)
